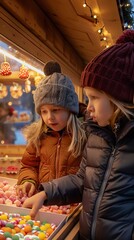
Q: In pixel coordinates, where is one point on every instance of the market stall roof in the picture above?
(78, 25)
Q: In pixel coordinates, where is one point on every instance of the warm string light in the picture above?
(93, 16)
(102, 36)
(95, 20)
(100, 30)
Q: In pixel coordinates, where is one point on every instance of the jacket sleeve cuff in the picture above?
(47, 187)
(28, 180)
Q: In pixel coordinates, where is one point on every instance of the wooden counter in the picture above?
(12, 150)
(70, 230)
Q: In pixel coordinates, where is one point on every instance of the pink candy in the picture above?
(57, 209)
(8, 195)
(17, 203)
(1, 185)
(6, 187)
(2, 200)
(8, 202)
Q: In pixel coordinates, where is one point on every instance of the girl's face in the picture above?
(99, 106)
(55, 117)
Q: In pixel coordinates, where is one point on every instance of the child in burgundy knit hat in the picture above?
(112, 71)
(105, 180)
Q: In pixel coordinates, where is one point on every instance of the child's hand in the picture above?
(35, 203)
(26, 189)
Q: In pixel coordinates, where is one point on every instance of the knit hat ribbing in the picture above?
(112, 71)
(56, 89)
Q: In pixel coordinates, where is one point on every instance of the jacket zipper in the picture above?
(103, 186)
(57, 156)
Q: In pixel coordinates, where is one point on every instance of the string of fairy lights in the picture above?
(126, 11)
(95, 20)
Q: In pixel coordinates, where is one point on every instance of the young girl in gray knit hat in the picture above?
(56, 140)
(105, 180)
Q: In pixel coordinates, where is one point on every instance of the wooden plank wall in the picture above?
(25, 24)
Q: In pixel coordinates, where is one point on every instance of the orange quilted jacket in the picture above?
(54, 160)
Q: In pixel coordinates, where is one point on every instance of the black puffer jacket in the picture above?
(104, 183)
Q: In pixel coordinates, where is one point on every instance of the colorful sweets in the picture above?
(14, 226)
(8, 196)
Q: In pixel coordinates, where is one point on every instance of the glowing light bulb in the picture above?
(84, 5)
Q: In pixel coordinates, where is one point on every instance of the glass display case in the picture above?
(20, 73)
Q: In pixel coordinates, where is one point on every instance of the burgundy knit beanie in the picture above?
(112, 71)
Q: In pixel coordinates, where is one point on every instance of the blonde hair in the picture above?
(120, 108)
(74, 128)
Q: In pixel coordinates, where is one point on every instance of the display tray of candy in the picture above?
(8, 197)
(16, 224)
(10, 181)
(68, 210)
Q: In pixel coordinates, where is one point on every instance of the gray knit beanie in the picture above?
(56, 89)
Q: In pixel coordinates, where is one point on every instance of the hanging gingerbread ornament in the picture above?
(23, 74)
(3, 90)
(37, 80)
(5, 69)
(27, 86)
(16, 90)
